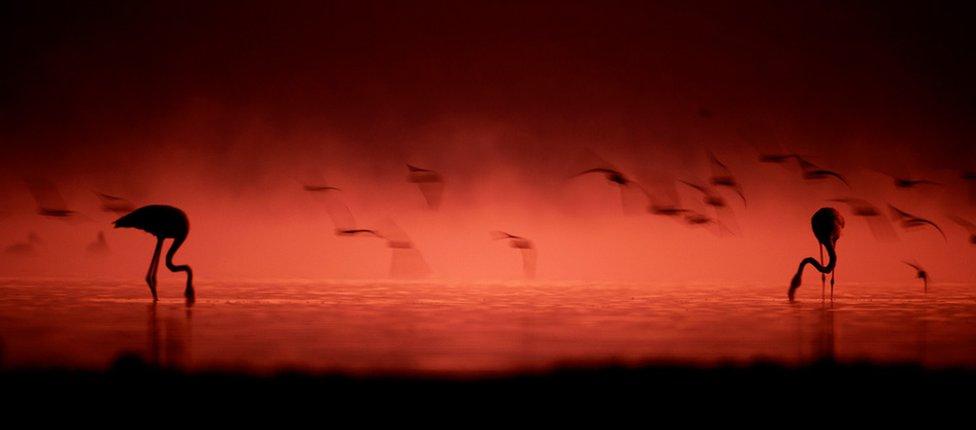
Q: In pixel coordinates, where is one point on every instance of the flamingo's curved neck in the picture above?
(181, 268)
(798, 277)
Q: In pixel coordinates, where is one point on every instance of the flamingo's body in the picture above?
(827, 224)
(164, 222)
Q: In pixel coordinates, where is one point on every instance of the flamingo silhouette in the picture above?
(909, 221)
(164, 222)
(813, 172)
(722, 177)
(968, 225)
(827, 224)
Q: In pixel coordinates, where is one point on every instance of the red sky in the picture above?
(222, 110)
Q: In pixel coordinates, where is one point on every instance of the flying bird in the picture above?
(50, 203)
(813, 172)
(406, 260)
(920, 273)
(879, 225)
(164, 222)
(633, 196)
(115, 204)
(522, 244)
(966, 224)
(24, 248)
(99, 246)
(431, 184)
(319, 188)
(722, 177)
(827, 225)
(776, 158)
(909, 221)
(716, 202)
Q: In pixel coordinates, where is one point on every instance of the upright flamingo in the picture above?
(164, 222)
(827, 224)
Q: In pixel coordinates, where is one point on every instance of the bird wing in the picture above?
(499, 235)
(432, 192)
(913, 266)
(46, 195)
(963, 223)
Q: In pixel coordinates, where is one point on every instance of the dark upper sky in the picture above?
(96, 73)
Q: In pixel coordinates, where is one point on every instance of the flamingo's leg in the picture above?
(832, 274)
(153, 266)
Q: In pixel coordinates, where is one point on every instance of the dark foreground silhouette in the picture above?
(759, 389)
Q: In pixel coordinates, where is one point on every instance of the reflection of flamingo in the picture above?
(164, 222)
(827, 224)
(920, 273)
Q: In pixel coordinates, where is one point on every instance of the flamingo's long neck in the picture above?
(181, 268)
(798, 277)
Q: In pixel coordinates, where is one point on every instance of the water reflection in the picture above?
(170, 339)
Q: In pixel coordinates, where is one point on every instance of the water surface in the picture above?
(405, 327)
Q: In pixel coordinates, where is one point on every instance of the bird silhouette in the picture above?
(24, 248)
(879, 225)
(909, 221)
(164, 222)
(776, 158)
(114, 204)
(966, 224)
(920, 273)
(722, 177)
(717, 203)
(431, 184)
(99, 246)
(813, 172)
(827, 225)
(633, 196)
(319, 188)
(342, 219)
(50, 203)
(525, 246)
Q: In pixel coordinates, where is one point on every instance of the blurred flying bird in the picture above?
(920, 273)
(633, 196)
(522, 244)
(114, 204)
(827, 225)
(99, 246)
(431, 184)
(24, 248)
(50, 203)
(966, 224)
(406, 260)
(909, 221)
(879, 225)
(776, 158)
(722, 177)
(813, 172)
(164, 222)
(318, 188)
(711, 198)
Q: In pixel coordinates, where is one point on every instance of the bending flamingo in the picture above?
(827, 224)
(164, 222)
